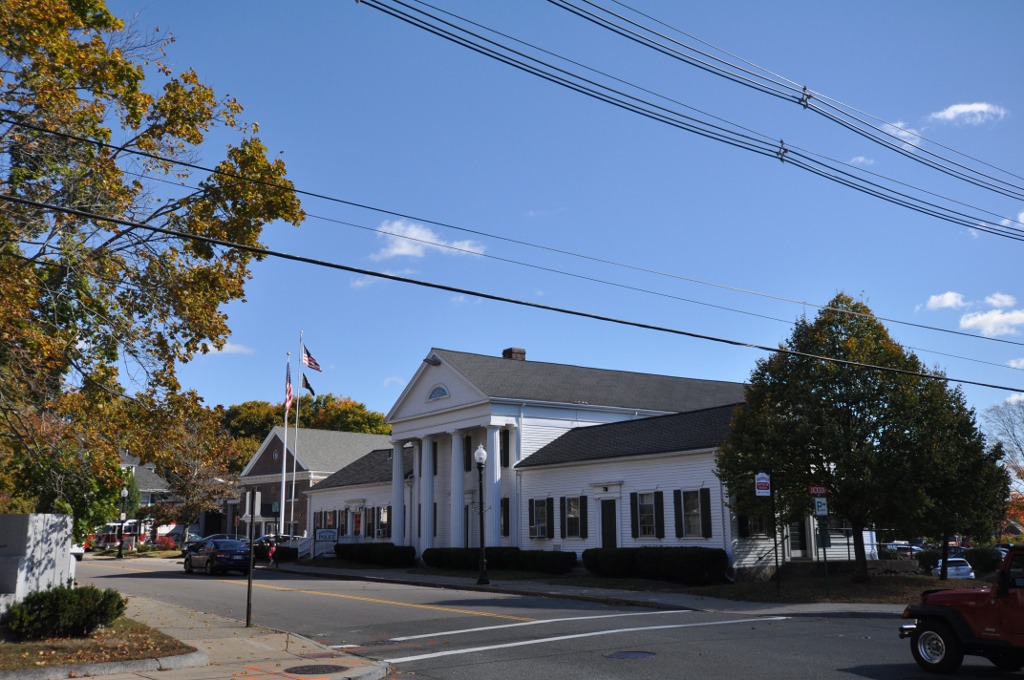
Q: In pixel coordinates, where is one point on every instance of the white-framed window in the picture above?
(758, 525)
(646, 513)
(691, 513)
(538, 518)
(572, 516)
(438, 392)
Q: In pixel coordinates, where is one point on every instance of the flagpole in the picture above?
(295, 453)
(284, 454)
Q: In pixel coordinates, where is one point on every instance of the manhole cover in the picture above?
(628, 655)
(322, 669)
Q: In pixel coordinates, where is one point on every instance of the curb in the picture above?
(165, 663)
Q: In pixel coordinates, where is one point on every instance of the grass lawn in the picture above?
(124, 640)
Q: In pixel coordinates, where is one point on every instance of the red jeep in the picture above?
(986, 622)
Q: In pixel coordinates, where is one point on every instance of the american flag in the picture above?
(287, 388)
(308, 360)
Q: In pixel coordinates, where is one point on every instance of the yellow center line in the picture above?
(357, 598)
(434, 607)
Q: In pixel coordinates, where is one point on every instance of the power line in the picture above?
(506, 239)
(754, 143)
(265, 252)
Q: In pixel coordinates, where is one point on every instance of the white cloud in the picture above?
(1014, 398)
(1015, 222)
(394, 380)
(993, 323)
(232, 348)
(862, 160)
(948, 300)
(1001, 300)
(977, 113)
(409, 239)
(1016, 363)
(900, 131)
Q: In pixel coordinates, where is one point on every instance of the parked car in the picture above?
(193, 543)
(958, 568)
(904, 551)
(77, 551)
(218, 555)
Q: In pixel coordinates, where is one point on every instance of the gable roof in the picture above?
(146, 478)
(373, 468)
(319, 450)
(690, 431)
(517, 379)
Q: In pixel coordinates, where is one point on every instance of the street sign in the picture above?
(817, 490)
(762, 484)
(821, 506)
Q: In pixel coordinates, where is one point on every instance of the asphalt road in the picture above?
(453, 635)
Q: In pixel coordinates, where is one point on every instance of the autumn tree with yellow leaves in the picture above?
(96, 315)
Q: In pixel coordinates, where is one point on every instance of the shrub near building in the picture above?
(64, 612)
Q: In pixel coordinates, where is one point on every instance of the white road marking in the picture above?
(447, 633)
(522, 643)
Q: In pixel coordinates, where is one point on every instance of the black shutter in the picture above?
(743, 526)
(561, 506)
(705, 512)
(677, 510)
(391, 520)
(532, 519)
(551, 517)
(659, 514)
(583, 516)
(419, 519)
(504, 516)
(634, 515)
(504, 444)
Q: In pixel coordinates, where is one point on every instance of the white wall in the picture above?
(35, 554)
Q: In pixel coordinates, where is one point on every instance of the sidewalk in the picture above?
(228, 650)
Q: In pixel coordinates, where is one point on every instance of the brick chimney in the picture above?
(514, 353)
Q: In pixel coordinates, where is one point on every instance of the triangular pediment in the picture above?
(437, 386)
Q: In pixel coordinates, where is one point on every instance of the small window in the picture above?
(645, 507)
(538, 518)
(572, 516)
(438, 392)
(691, 513)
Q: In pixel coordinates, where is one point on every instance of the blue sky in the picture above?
(566, 201)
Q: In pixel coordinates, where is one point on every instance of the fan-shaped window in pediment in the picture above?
(438, 392)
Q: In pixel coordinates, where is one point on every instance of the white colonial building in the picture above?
(577, 458)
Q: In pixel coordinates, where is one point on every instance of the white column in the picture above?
(457, 520)
(492, 488)
(427, 491)
(415, 519)
(397, 495)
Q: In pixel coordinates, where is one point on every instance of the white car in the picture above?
(77, 551)
(958, 568)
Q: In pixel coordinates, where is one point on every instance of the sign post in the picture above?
(820, 494)
(763, 487)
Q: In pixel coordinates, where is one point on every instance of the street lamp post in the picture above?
(120, 543)
(480, 456)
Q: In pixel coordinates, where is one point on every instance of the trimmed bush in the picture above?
(546, 561)
(383, 554)
(468, 559)
(984, 560)
(286, 553)
(64, 612)
(689, 566)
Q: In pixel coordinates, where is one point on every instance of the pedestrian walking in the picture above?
(272, 553)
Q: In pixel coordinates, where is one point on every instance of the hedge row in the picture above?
(63, 612)
(513, 559)
(689, 566)
(383, 554)
(984, 560)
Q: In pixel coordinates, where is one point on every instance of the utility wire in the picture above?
(791, 92)
(506, 239)
(264, 252)
(687, 123)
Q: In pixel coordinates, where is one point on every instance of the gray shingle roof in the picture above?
(539, 381)
(328, 450)
(373, 468)
(690, 431)
(146, 477)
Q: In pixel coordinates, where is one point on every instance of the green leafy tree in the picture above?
(84, 298)
(868, 435)
(342, 414)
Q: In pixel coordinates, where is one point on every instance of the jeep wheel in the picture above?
(936, 648)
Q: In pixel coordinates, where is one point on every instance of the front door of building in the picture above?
(609, 531)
